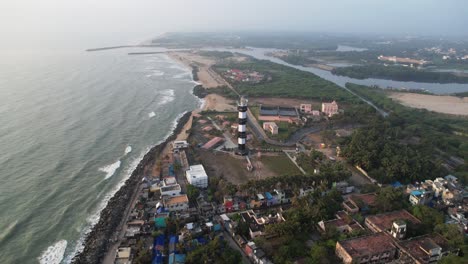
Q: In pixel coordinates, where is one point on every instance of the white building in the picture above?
(171, 190)
(180, 144)
(196, 176)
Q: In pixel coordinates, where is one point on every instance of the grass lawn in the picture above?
(281, 165)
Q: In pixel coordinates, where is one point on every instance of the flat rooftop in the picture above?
(177, 199)
(277, 111)
(419, 247)
(384, 221)
(368, 199)
(368, 245)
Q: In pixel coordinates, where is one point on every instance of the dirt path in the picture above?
(443, 104)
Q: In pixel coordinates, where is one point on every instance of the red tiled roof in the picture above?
(384, 221)
(368, 245)
(368, 198)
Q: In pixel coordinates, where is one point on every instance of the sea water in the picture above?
(73, 126)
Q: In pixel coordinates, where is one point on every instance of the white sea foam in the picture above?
(166, 96)
(155, 73)
(53, 254)
(128, 149)
(177, 66)
(181, 75)
(152, 114)
(110, 169)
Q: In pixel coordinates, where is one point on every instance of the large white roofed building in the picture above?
(196, 176)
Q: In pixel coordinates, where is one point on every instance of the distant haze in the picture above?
(89, 23)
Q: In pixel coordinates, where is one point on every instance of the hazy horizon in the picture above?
(55, 23)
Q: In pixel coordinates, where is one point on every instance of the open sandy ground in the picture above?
(207, 77)
(218, 103)
(437, 103)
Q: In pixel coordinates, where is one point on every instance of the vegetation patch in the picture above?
(281, 165)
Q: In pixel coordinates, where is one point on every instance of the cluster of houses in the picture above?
(244, 76)
(328, 109)
(442, 193)
(448, 54)
(385, 239)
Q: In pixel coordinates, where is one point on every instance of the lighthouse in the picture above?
(241, 130)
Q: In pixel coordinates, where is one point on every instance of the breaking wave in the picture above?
(54, 254)
(110, 169)
(128, 149)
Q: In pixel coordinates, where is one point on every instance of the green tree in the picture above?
(192, 193)
(429, 217)
(451, 233)
(390, 199)
(319, 254)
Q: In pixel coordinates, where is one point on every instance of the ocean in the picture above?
(73, 126)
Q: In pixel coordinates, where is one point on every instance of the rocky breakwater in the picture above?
(98, 240)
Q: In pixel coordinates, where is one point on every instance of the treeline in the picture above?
(398, 73)
(446, 132)
(379, 150)
(409, 145)
(286, 82)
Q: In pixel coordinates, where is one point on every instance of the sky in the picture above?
(90, 23)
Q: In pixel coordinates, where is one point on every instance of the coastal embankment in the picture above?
(113, 47)
(98, 241)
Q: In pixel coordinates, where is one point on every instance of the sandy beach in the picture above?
(208, 79)
(206, 76)
(442, 104)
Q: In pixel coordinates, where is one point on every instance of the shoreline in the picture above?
(97, 243)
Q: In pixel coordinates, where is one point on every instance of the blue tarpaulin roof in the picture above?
(177, 258)
(397, 184)
(416, 193)
(268, 196)
(158, 246)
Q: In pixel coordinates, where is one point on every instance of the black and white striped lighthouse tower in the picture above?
(241, 129)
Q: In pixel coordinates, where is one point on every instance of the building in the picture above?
(197, 176)
(330, 109)
(271, 126)
(176, 203)
(170, 190)
(305, 108)
(123, 255)
(343, 223)
(257, 224)
(359, 202)
(278, 114)
(420, 197)
(394, 222)
(408, 61)
(180, 144)
(241, 129)
(375, 248)
(214, 142)
(425, 249)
